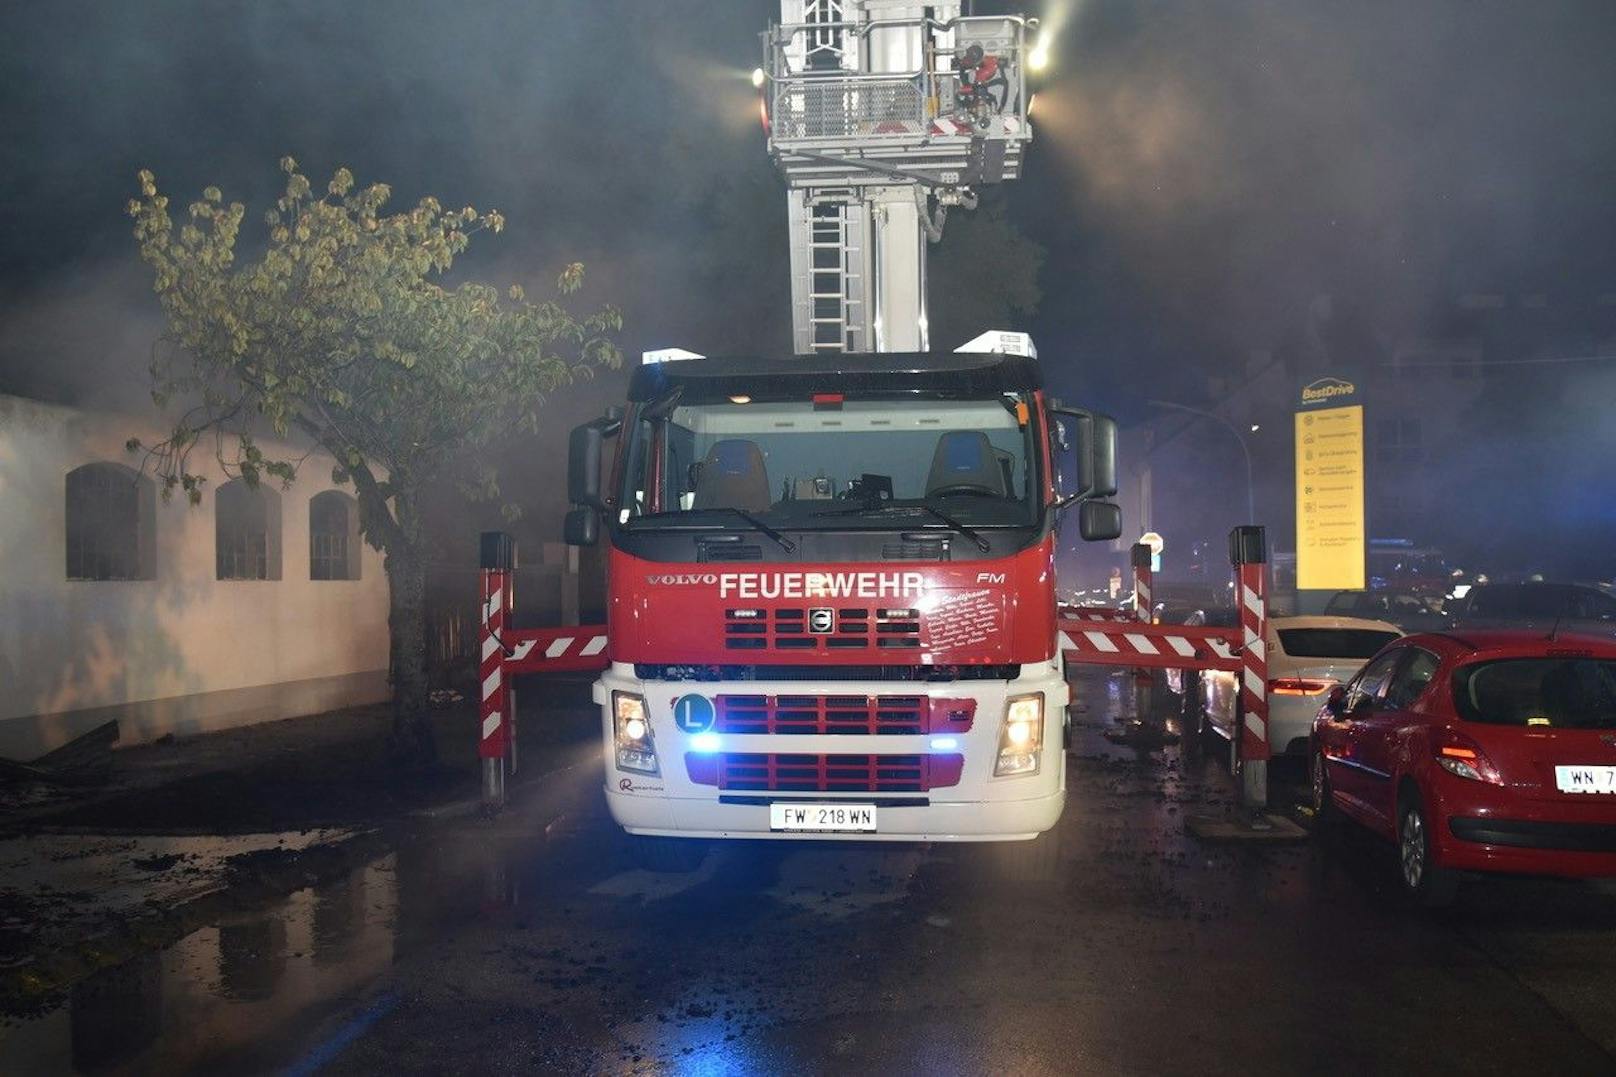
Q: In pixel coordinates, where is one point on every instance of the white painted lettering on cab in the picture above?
(800, 585)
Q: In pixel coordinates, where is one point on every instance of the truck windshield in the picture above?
(834, 464)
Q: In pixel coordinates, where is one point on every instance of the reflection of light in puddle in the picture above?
(716, 1058)
(703, 1038)
(222, 988)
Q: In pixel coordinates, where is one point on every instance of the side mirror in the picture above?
(1336, 702)
(583, 467)
(1102, 470)
(1096, 443)
(581, 527)
(1099, 521)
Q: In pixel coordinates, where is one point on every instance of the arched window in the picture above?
(111, 517)
(247, 532)
(333, 537)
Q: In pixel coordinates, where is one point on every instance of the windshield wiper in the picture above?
(981, 543)
(785, 544)
(757, 525)
(936, 514)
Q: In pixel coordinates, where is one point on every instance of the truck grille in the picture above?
(784, 773)
(822, 629)
(838, 714)
(665, 671)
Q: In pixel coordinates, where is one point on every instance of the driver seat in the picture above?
(965, 458)
(733, 476)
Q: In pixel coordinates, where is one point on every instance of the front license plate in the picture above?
(1585, 779)
(825, 818)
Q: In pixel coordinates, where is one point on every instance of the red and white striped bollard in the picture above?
(1248, 551)
(495, 743)
(1144, 680)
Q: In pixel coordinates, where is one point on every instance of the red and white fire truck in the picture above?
(831, 577)
(832, 596)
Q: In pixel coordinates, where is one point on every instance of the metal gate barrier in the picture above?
(1106, 637)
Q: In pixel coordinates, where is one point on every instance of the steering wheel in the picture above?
(964, 489)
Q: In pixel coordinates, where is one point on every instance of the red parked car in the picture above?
(1487, 750)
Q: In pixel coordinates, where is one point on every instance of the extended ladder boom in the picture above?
(880, 118)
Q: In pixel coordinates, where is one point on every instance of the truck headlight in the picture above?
(1021, 741)
(636, 750)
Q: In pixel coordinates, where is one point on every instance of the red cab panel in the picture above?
(971, 613)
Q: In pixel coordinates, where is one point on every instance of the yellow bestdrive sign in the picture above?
(1330, 499)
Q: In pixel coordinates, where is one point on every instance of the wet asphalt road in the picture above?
(534, 945)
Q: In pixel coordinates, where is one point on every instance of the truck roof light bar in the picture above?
(1001, 342)
(667, 355)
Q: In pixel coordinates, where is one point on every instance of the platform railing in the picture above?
(844, 106)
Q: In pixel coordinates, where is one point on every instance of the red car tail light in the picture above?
(1462, 757)
(1296, 686)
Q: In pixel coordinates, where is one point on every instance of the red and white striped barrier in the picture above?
(1143, 608)
(572, 649)
(1096, 613)
(1243, 651)
(495, 718)
(1151, 646)
(1252, 584)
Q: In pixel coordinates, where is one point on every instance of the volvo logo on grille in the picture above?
(1609, 739)
(821, 619)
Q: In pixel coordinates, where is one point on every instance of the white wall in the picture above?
(180, 653)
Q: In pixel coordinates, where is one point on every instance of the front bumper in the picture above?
(913, 820)
(978, 807)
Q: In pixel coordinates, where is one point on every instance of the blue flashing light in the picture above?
(704, 742)
(944, 744)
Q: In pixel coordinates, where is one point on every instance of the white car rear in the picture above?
(1307, 656)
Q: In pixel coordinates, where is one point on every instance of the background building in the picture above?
(255, 605)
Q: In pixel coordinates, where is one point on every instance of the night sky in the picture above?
(1203, 171)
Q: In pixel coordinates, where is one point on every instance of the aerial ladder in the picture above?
(883, 115)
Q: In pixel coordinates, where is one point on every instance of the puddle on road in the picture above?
(219, 989)
(223, 995)
(49, 877)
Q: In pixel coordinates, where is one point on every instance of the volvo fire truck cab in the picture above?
(831, 594)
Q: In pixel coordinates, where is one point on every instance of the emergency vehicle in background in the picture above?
(831, 591)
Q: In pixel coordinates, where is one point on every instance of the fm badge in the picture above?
(693, 713)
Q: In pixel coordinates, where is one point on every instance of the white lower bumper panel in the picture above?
(999, 820)
(975, 805)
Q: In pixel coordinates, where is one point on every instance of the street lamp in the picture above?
(1251, 501)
